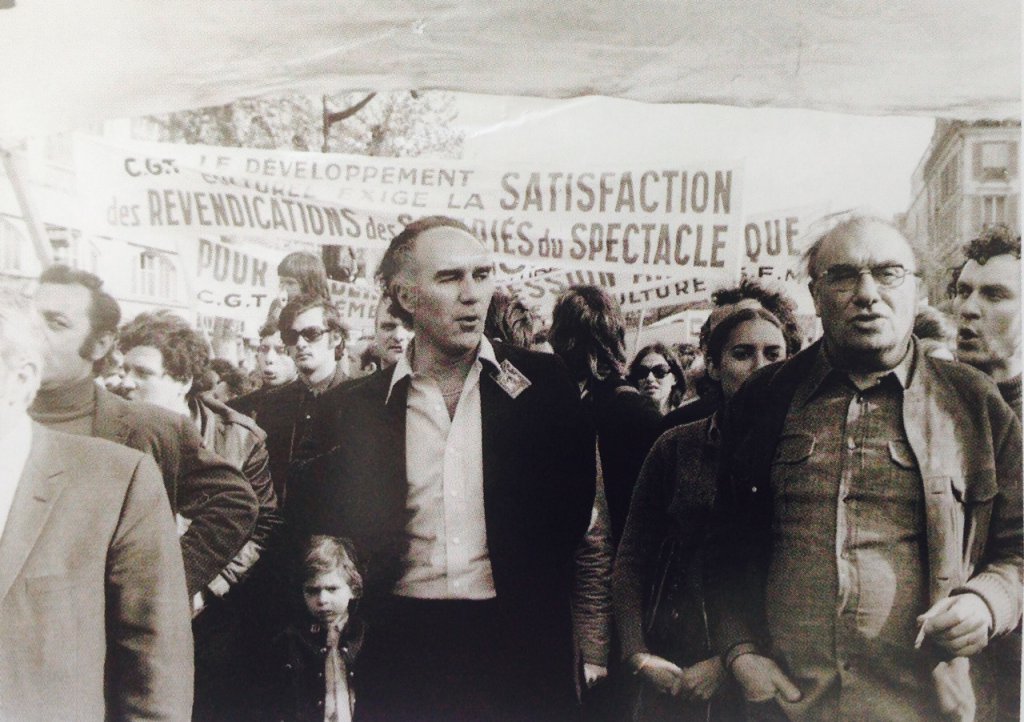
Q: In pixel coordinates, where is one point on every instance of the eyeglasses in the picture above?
(846, 278)
(642, 372)
(312, 334)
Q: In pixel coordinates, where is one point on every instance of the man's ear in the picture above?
(814, 297)
(405, 295)
(100, 345)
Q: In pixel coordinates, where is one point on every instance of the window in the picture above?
(993, 210)
(64, 242)
(155, 276)
(995, 161)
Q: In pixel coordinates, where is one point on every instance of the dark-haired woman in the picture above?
(658, 375)
(657, 580)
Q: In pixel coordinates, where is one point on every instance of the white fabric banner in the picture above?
(680, 218)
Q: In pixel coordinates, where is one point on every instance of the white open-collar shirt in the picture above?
(447, 556)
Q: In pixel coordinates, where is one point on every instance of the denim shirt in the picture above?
(848, 575)
(967, 444)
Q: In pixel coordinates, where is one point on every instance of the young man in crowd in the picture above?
(464, 474)
(987, 305)
(212, 495)
(390, 338)
(868, 542)
(93, 604)
(311, 328)
(163, 359)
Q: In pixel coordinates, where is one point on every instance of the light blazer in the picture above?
(538, 479)
(94, 613)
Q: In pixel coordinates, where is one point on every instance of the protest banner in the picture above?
(681, 218)
(240, 282)
(774, 243)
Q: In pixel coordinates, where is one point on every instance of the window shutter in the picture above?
(1012, 220)
(1012, 170)
(976, 157)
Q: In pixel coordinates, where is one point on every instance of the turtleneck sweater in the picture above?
(1011, 392)
(69, 408)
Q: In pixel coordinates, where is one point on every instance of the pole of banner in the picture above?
(639, 329)
(14, 169)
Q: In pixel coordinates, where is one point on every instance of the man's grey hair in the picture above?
(840, 224)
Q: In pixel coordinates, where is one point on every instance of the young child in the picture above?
(310, 674)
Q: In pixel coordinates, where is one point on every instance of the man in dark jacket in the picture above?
(986, 300)
(311, 327)
(164, 360)
(81, 321)
(464, 475)
(868, 533)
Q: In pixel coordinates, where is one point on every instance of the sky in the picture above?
(792, 158)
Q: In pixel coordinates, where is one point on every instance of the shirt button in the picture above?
(455, 540)
(850, 443)
(848, 666)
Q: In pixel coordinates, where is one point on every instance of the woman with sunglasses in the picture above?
(657, 373)
(657, 581)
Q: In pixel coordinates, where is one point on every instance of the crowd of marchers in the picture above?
(497, 517)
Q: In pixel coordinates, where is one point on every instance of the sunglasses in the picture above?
(312, 334)
(641, 372)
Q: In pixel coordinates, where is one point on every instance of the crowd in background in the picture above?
(336, 569)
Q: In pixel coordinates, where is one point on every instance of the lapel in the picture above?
(38, 489)
(495, 408)
(109, 422)
(389, 439)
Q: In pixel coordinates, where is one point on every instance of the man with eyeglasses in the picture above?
(310, 329)
(868, 542)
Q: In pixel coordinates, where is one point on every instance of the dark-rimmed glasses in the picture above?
(312, 334)
(845, 278)
(641, 372)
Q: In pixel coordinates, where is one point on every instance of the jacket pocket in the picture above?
(944, 519)
(794, 449)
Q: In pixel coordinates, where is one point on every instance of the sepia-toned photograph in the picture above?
(446, 361)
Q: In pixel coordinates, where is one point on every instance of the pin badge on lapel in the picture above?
(511, 379)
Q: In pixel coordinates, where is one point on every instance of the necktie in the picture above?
(337, 701)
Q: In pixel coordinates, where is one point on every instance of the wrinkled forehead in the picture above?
(870, 244)
(449, 248)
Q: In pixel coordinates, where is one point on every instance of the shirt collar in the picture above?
(403, 367)
(325, 383)
(822, 371)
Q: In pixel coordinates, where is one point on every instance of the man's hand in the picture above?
(593, 673)
(658, 672)
(762, 680)
(703, 679)
(959, 624)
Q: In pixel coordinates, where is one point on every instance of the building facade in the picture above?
(967, 180)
